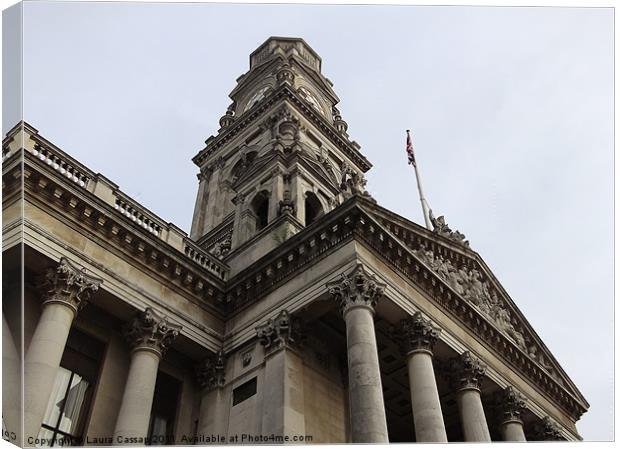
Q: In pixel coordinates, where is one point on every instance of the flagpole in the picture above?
(425, 207)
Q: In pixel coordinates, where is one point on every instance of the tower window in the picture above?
(312, 207)
(260, 206)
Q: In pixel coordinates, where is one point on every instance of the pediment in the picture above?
(465, 275)
(323, 170)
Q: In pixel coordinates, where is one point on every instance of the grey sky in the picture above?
(511, 110)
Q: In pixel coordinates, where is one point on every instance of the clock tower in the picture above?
(281, 158)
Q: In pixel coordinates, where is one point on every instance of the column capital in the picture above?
(416, 333)
(356, 289)
(150, 331)
(69, 285)
(210, 371)
(511, 403)
(548, 430)
(282, 331)
(467, 371)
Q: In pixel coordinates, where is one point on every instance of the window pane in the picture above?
(158, 431)
(56, 400)
(73, 405)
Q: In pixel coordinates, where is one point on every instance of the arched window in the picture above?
(260, 207)
(312, 207)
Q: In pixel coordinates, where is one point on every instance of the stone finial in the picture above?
(416, 333)
(279, 332)
(210, 372)
(358, 288)
(467, 371)
(547, 430)
(150, 331)
(511, 403)
(69, 284)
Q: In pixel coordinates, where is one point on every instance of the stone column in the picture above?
(11, 386)
(149, 335)
(66, 289)
(283, 412)
(511, 404)
(213, 406)
(357, 294)
(417, 337)
(277, 193)
(467, 372)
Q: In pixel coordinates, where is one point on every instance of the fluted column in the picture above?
(357, 294)
(283, 414)
(213, 408)
(417, 337)
(511, 404)
(66, 289)
(467, 372)
(149, 335)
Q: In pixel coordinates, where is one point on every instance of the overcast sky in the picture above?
(511, 110)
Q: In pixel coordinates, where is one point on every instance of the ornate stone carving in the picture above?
(285, 74)
(286, 205)
(68, 284)
(511, 404)
(547, 430)
(150, 331)
(416, 333)
(279, 332)
(222, 248)
(466, 371)
(470, 284)
(210, 372)
(355, 289)
(352, 183)
(441, 227)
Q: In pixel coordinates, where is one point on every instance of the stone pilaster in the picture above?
(467, 373)
(511, 404)
(149, 335)
(417, 337)
(281, 338)
(357, 294)
(210, 375)
(66, 289)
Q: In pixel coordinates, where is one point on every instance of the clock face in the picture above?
(306, 95)
(258, 96)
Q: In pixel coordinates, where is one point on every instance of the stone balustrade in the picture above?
(138, 215)
(61, 165)
(204, 259)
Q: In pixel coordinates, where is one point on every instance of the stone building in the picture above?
(298, 309)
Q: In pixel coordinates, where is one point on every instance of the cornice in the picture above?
(351, 222)
(349, 148)
(86, 211)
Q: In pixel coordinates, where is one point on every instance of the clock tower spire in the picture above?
(281, 158)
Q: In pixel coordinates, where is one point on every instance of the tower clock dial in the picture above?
(258, 96)
(306, 95)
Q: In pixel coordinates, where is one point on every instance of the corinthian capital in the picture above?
(69, 285)
(358, 288)
(547, 430)
(511, 403)
(150, 331)
(416, 333)
(467, 371)
(283, 330)
(210, 372)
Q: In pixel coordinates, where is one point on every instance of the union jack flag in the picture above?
(410, 154)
